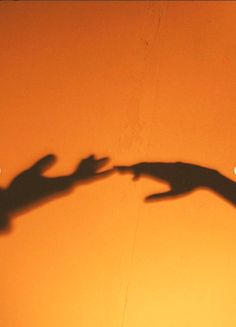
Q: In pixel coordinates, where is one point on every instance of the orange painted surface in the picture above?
(135, 81)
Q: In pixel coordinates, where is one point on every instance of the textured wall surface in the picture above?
(136, 81)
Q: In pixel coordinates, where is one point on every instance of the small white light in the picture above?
(234, 170)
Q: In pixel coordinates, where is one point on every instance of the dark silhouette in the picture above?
(183, 178)
(31, 188)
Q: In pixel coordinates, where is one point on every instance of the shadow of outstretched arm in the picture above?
(31, 188)
(183, 178)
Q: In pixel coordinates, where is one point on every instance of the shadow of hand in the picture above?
(182, 178)
(31, 187)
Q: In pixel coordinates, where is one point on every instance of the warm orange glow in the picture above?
(135, 81)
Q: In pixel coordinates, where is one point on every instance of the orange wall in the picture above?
(135, 81)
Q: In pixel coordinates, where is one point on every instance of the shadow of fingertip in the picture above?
(149, 199)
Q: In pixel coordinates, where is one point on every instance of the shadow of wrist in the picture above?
(223, 186)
